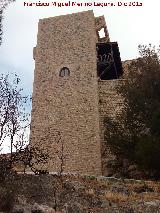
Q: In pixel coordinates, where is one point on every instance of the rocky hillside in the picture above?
(77, 194)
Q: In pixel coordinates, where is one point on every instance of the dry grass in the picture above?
(120, 197)
(116, 197)
(151, 184)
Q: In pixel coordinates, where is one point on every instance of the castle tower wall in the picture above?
(65, 110)
(110, 106)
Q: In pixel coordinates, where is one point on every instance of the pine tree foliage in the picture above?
(138, 136)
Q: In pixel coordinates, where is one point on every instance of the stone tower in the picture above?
(65, 91)
(65, 109)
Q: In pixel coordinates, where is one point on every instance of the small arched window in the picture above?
(64, 72)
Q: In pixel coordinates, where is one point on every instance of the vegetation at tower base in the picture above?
(135, 135)
(78, 194)
(14, 129)
(14, 118)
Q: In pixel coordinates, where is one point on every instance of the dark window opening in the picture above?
(109, 65)
(64, 72)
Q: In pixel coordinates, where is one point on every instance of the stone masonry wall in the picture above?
(110, 105)
(65, 109)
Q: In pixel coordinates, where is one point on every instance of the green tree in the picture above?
(3, 5)
(138, 136)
